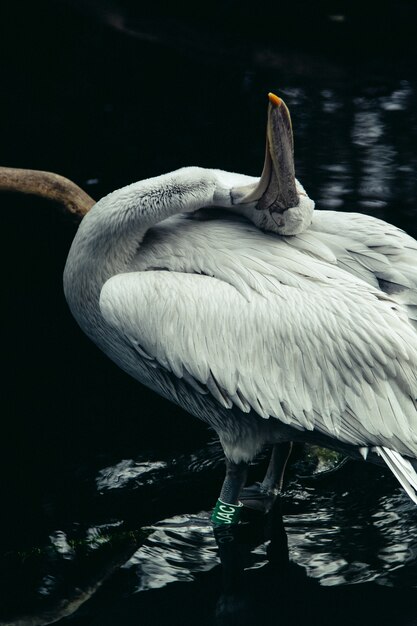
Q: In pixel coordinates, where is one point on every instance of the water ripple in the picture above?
(177, 549)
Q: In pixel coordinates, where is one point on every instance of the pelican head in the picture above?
(277, 202)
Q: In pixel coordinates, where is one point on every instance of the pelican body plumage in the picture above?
(272, 322)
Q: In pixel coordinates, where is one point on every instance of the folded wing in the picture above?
(320, 350)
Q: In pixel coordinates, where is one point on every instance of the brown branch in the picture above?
(47, 185)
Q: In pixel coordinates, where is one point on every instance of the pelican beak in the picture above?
(276, 188)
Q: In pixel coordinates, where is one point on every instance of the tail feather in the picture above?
(402, 469)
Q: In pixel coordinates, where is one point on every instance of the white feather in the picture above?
(402, 470)
(316, 331)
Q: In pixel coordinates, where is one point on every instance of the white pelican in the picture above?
(303, 333)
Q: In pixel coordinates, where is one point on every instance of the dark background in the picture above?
(107, 93)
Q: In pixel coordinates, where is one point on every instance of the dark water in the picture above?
(106, 489)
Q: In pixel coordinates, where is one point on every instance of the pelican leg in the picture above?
(261, 496)
(228, 506)
(235, 480)
(274, 477)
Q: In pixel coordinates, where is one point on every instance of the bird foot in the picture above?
(258, 498)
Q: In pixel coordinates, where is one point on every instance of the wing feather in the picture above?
(382, 255)
(319, 350)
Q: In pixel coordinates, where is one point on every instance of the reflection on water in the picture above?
(361, 147)
(339, 541)
(127, 470)
(335, 537)
(176, 550)
(352, 526)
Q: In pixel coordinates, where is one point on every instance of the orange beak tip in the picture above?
(274, 100)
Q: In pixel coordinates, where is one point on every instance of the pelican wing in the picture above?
(315, 347)
(380, 254)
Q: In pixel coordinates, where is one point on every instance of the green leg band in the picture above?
(224, 513)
